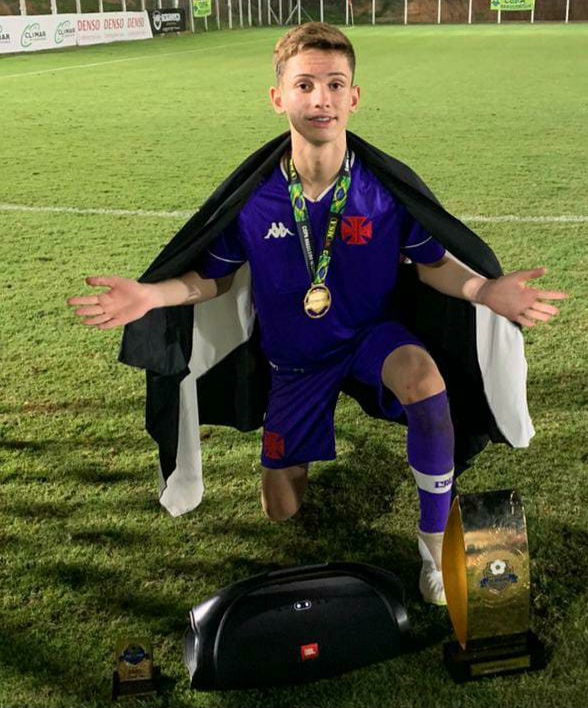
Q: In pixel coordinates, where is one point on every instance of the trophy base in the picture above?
(497, 656)
(141, 687)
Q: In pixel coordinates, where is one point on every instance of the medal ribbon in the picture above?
(318, 274)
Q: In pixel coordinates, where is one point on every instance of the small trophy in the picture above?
(135, 674)
(487, 584)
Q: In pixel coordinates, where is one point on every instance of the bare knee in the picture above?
(411, 374)
(282, 491)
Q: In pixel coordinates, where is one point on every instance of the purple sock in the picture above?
(429, 445)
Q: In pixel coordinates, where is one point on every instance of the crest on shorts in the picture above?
(274, 447)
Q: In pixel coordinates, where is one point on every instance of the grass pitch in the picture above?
(494, 119)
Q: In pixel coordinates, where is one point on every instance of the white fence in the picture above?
(233, 14)
(248, 13)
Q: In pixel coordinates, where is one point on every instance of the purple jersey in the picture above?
(376, 231)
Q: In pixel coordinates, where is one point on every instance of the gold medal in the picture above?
(317, 301)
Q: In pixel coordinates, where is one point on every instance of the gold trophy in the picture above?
(135, 674)
(487, 584)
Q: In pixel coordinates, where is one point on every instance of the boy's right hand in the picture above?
(124, 301)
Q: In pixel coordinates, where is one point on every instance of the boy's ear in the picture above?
(276, 99)
(355, 93)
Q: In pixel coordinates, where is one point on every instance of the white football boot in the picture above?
(431, 578)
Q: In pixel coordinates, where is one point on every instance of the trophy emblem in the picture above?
(486, 573)
(135, 674)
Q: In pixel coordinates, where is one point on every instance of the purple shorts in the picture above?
(299, 424)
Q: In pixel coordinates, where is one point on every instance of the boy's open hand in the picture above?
(124, 301)
(510, 296)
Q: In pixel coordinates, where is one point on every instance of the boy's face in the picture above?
(316, 94)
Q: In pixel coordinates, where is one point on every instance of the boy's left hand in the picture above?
(510, 296)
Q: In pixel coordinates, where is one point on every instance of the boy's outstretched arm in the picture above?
(126, 300)
(509, 295)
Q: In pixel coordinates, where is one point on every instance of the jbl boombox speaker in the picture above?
(296, 625)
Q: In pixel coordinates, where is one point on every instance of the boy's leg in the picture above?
(412, 375)
(298, 428)
(282, 491)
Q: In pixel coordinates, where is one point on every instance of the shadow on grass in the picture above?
(558, 576)
(80, 405)
(59, 460)
(34, 655)
(34, 510)
(561, 390)
(81, 442)
(26, 445)
(107, 537)
(115, 593)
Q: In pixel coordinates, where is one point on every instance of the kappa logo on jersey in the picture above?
(278, 231)
(356, 230)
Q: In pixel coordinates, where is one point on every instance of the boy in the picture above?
(323, 238)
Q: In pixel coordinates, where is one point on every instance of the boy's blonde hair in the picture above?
(312, 35)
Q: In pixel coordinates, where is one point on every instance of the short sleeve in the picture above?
(224, 256)
(417, 244)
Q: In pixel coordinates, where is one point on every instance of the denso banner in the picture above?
(102, 27)
(31, 33)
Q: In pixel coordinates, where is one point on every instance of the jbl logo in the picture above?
(309, 651)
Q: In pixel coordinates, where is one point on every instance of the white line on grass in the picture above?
(507, 218)
(511, 218)
(99, 212)
(116, 61)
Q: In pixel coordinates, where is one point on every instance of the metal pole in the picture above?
(346, 12)
(23, 7)
(439, 12)
(124, 5)
(405, 12)
(192, 20)
(533, 15)
(217, 10)
(567, 11)
(100, 6)
(205, 23)
(299, 12)
(499, 17)
(249, 17)
(260, 15)
(143, 8)
(79, 7)
(470, 13)
(269, 13)
(373, 12)
(230, 11)
(241, 14)
(280, 12)
(53, 7)
(322, 6)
